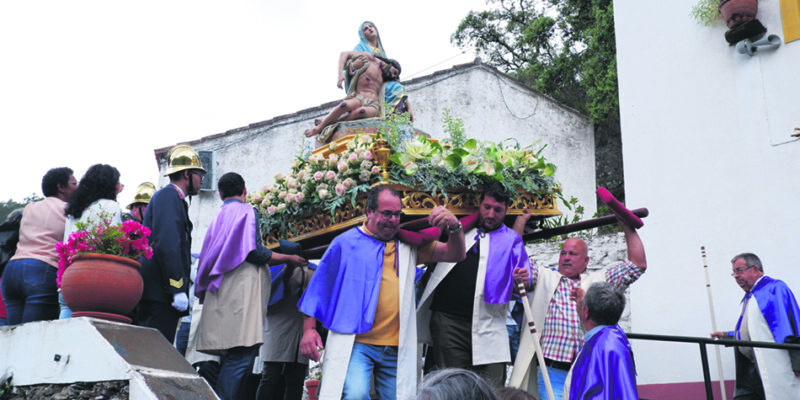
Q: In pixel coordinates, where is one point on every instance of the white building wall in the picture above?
(492, 105)
(703, 133)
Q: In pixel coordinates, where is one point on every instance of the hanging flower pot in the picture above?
(737, 12)
(102, 286)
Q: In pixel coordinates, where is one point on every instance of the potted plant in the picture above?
(101, 273)
(738, 12)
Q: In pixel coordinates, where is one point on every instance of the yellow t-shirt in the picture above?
(386, 325)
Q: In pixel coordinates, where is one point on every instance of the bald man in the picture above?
(556, 315)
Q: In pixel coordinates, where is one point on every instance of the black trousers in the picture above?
(161, 316)
(282, 381)
(748, 380)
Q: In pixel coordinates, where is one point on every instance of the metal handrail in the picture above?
(703, 341)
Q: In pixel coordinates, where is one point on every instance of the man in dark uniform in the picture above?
(166, 275)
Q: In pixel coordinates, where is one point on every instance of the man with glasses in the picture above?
(463, 308)
(363, 293)
(166, 275)
(769, 314)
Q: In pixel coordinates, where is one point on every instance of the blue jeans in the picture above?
(557, 379)
(233, 369)
(64, 311)
(182, 338)
(29, 290)
(513, 341)
(366, 360)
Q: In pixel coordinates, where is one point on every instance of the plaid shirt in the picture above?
(562, 335)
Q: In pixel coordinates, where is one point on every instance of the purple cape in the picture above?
(228, 240)
(506, 252)
(343, 293)
(604, 368)
(776, 301)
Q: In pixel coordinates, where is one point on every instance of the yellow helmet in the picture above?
(143, 194)
(181, 157)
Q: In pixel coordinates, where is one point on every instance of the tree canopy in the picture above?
(6, 207)
(565, 49)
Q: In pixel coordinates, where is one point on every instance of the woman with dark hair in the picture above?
(29, 280)
(94, 201)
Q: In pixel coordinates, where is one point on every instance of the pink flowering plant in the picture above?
(127, 239)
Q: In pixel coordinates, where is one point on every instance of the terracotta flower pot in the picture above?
(102, 286)
(737, 12)
(312, 386)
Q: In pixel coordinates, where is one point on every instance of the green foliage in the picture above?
(454, 126)
(6, 207)
(706, 12)
(562, 220)
(607, 229)
(434, 167)
(6, 388)
(565, 49)
(396, 127)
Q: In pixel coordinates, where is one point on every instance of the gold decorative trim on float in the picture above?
(416, 203)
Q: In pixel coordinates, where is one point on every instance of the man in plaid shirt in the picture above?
(555, 314)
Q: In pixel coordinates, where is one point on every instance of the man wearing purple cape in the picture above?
(363, 293)
(233, 285)
(769, 314)
(463, 308)
(604, 368)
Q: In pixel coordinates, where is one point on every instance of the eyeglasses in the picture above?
(739, 271)
(387, 215)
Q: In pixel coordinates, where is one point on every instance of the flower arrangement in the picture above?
(318, 184)
(127, 239)
(433, 167)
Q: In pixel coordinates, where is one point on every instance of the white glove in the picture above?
(180, 301)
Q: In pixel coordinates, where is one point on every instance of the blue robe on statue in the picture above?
(395, 93)
(604, 368)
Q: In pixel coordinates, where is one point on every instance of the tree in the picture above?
(565, 49)
(6, 207)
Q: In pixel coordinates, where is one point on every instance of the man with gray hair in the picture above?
(604, 367)
(769, 314)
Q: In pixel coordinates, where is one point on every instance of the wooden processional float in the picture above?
(314, 231)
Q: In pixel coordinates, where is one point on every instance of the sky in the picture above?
(104, 81)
